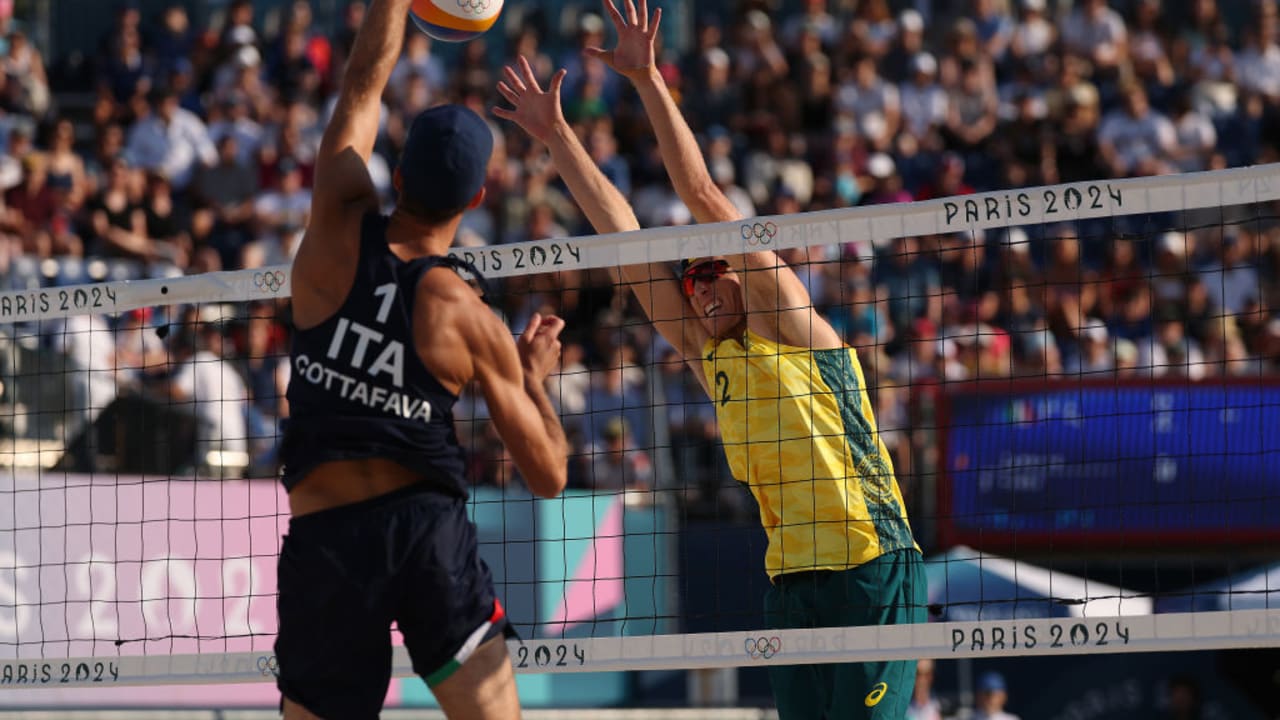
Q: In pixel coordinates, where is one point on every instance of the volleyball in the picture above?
(455, 20)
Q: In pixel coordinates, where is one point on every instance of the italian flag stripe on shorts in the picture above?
(468, 647)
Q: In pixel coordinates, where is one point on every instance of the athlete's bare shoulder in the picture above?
(451, 324)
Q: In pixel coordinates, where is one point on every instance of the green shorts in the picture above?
(889, 590)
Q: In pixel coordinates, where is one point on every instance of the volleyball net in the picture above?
(1071, 380)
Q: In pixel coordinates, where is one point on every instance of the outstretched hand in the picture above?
(537, 111)
(634, 55)
(539, 345)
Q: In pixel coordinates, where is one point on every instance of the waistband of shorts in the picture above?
(803, 576)
(351, 510)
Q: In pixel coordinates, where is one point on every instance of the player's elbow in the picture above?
(550, 482)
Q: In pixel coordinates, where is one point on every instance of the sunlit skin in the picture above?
(719, 305)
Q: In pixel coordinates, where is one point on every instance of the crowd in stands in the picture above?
(197, 151)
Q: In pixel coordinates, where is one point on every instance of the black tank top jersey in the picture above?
(357, 388)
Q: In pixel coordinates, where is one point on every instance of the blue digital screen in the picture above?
(1080, 463)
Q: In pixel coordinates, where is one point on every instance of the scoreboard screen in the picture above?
(1094, 464)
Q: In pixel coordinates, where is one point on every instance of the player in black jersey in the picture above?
(388, 334)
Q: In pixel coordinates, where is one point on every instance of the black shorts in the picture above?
(347, 573)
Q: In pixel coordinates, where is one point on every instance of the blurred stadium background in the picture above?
(148, 138)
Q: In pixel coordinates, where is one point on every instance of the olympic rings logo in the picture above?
(763, 648)
(269, 281)
(474, 6)
(759, 233)
(269, 665)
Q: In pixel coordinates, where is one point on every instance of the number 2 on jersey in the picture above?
(722, 386)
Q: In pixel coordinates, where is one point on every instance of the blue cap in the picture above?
(445, 158)
(991, 682)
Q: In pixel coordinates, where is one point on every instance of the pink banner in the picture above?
(98, 566)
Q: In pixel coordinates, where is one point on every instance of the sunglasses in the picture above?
(703, 272)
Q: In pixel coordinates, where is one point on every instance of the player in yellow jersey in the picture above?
(794, 413)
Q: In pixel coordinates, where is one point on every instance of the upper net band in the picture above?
(876, 225)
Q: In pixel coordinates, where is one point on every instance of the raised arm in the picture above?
(343, 190)
(775, 297)
(539, 113)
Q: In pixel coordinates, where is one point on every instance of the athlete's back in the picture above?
(359, 389)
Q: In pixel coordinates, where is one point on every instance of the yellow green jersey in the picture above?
(798, 429)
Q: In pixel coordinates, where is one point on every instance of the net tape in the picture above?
(877, 224)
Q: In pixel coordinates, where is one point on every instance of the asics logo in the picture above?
(269, 281)
(763, 648)
(876, 695)
(759, 233)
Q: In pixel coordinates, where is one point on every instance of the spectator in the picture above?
(615, 463)
(127, 72)
(1097, 32)
(872, 100)
(1033, 36)
(89, 346)
(1075, 154)
(908, 43)
(924, 706)
(812, 18)
(24, 65)
(1071, 292)
(171, 140)
(911, 283)
(1195, 137)
(721, 165)
(886, 183)
(175, 42)
(1258, 64)
(1136, 140)
(1169, 352)
(1127, 360)
(873, 27)
(947, 181)
(995, 28)
(207, 384)
(262, 364)
(418, 60)
(1093, 355)
(167, 222)
(352, 18)
(140, 352)
(1148, 56)
(66, 169)
(991, 698)
(33, 200)
(224, 203)
(973, 114)
(603, 147)
(1231, 280)
(925, 105)
(1022, 145)
(117, 220)
(236, 121)
(616, 394)
(289, 204)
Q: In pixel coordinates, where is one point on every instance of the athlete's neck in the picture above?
(737, 332)
(411, 238)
